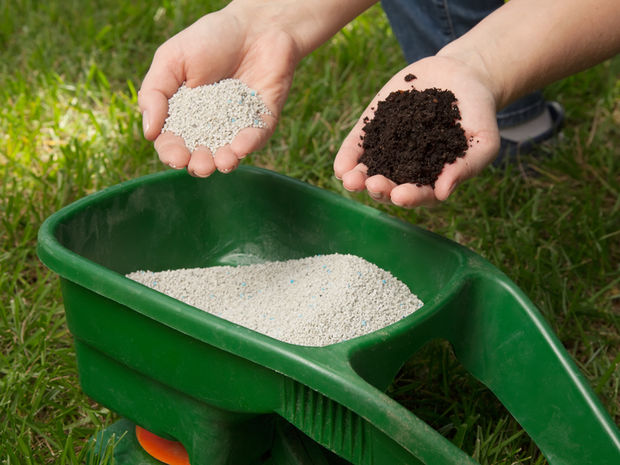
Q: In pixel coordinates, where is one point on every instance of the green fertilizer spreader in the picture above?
(221, 394)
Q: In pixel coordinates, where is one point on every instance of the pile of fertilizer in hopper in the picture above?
(313, 301)
(213, 114)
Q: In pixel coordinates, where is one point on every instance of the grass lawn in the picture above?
(69, 126)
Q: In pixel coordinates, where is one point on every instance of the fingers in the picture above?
(201, 163)
(354, 180)
(407, 195)
(410, 195)
(384, 190)
(380, 188)
(249, 140)
(172, 150)
(225, 159)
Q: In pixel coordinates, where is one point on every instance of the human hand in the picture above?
(477, 106)
(225, 44)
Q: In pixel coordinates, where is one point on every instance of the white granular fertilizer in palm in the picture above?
(213, 114)
(313, 301)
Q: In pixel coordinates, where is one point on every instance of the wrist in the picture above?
(477, 65)
(256, 18)
(309, 24)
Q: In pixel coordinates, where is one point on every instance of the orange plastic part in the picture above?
(169, 452)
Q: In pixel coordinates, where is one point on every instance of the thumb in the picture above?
(351, 148)
(160, 83)
(483, 147)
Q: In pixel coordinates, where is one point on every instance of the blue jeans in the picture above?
(423, 27)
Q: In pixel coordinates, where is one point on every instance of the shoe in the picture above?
(509, 150)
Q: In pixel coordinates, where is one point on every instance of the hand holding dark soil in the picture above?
(477, 111)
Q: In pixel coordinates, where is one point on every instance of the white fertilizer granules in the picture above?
(313, 301)
(212, 115)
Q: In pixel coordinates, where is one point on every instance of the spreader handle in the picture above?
(501, 339)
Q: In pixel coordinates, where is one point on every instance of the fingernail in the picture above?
(145, 122)
(375, 195)
(172, 165)
(452, 187)
(226, 170)
(397, 203)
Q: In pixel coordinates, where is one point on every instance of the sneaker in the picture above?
(509, 149)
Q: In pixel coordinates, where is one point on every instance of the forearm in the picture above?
(309, 22)
(527, 44)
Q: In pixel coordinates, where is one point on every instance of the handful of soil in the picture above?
(412, 135)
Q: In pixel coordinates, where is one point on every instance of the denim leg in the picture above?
(423, 27)
(521, 110)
